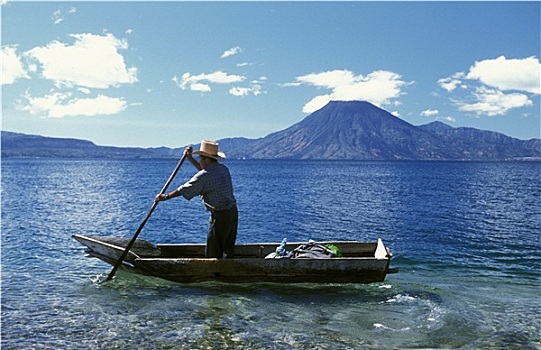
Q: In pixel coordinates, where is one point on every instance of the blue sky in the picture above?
(152, 74)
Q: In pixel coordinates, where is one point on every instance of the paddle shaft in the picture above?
(154, 204)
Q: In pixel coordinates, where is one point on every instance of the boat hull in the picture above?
(334, 270)
(363, 262)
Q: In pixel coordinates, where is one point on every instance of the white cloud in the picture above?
(12, 67)
(245, 64)
(239, 91)
(200, 87)
(59, 105)
(330, 79)
(232, 51)
(378, 87)
(430, 112)
(244, 91)
(57, 17)
(493, 102)
(451, 83)
(92, 61)
(449, 119)
(316, 103)
(509, 74)
(498, 85)
(201, 82)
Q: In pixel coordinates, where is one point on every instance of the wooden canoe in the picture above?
(362, 262)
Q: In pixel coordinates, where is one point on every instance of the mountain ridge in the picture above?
(354, 130)
(362, 131)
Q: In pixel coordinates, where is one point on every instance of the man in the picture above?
(213, 184)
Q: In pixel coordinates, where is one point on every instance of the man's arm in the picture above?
(188, 153)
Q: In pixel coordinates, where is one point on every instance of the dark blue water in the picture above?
(465, 237)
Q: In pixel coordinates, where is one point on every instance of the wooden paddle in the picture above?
(154, 204)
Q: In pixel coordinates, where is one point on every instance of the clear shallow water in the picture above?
(465, 237)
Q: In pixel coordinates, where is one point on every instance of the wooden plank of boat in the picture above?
(362, 262)
(333, 270)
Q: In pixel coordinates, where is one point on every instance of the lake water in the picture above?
(465, 236)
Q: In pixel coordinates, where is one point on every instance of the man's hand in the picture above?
(188, 151)
(161, 197)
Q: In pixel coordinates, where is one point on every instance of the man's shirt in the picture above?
(213, 184)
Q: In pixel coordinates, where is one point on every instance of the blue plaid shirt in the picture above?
(213, 184)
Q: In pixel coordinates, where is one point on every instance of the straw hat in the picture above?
(210, 149)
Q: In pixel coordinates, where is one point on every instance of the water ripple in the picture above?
(464, 235)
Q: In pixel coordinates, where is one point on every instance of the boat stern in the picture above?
(384, 253)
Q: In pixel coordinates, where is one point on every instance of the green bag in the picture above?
(335, 250)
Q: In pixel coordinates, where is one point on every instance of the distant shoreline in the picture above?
(339, 131)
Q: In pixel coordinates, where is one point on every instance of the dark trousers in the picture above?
(222, 233)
